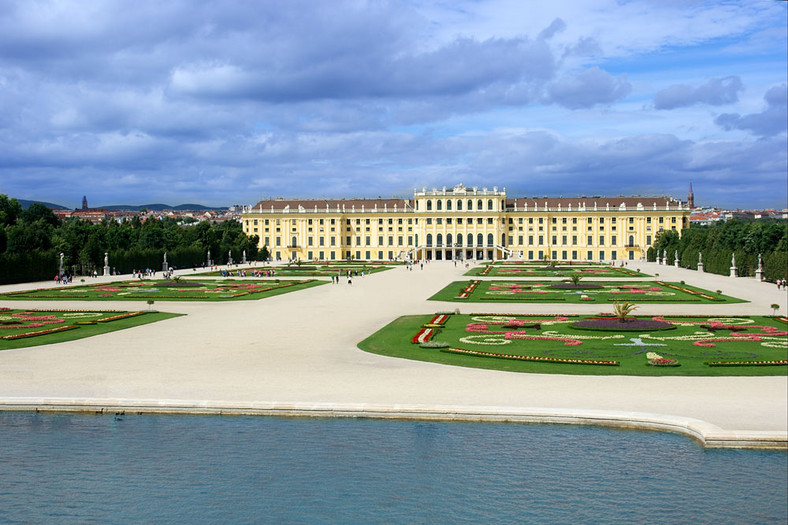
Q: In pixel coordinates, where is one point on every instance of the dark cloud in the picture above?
(769, 122)
(715, 92)
(589, 88)
(229, 102)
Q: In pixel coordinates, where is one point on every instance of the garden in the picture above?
(575, 291)
(302, 270)
(551, 269)
(167, 290)
(22, 328)
(613, 343)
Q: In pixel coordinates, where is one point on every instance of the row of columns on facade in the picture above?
(733, 270)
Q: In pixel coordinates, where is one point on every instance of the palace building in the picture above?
(464, 223)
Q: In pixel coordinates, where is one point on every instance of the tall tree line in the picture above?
(32, 240)
(719, 243)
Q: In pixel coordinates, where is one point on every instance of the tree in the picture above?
(10, 210)
(38, 212)
(623, 309)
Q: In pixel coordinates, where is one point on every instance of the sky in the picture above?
(234, 101)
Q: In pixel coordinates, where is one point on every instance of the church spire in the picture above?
(84, 202)
(690, 198)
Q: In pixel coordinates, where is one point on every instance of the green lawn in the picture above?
(304, 270)
(42, 327)
(528, 269)
(586, 292)
(692, 342)
(182, 290)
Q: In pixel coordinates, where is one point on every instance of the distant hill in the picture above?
(135, 207)
(26, 204)
(159, 207)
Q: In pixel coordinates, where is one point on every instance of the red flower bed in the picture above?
(422, 336)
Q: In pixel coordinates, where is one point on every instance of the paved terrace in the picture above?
(296, 354)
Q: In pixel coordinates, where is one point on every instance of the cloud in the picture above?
(715, 92)
(769, 122)
(589, 88)
(220, 102)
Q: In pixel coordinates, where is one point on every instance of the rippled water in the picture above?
(68, 468)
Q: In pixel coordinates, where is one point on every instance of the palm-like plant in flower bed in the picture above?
(622, 321)
(623, 309)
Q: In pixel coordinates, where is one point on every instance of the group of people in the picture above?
(65, 278)
(349, 274)
(781, 283)
(147, 272)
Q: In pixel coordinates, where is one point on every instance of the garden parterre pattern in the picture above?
(21, 328)
(690, 345)
(162, 290)
(584, 292)
(327, 270)
(515, 269)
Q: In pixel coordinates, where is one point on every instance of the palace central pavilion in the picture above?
(464, 223)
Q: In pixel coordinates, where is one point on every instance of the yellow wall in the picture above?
(529, 234)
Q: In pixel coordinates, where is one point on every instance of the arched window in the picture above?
(439, 239)
(439, 205)
(489, 204)
(459, 239)
(631, 240)
(459, 205)
(448, 238)
(295, 242)
(503, 239)
(470, 239)
(470, 204)
(480, 240)
(479, 205)
(448, 205)
(429, 239)
(490, 238)
(429, 205)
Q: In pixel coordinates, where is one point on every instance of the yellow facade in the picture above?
(464, 223)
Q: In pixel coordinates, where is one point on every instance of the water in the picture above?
(67, 468)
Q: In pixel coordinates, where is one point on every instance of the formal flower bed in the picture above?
(578, 286)
(439, 319)
(557, 292)
(119, 316)
(781, 362)
(522, 341)
(167, 290)
(655, 359)
(608, 324)
(479, 353)
(24, 323)
(39, 332)
(538, 269)
(53, 326)
(422, 336)
(468, 290)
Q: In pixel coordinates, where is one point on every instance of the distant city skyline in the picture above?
(231, 103)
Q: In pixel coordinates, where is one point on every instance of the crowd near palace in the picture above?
(464, 224)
